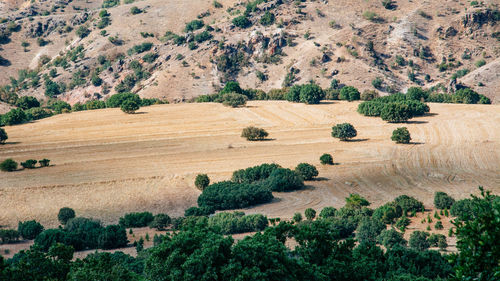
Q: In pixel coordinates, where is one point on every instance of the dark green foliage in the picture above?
(134, 10)
(368, 230)
(52, 88)
(65, 214)
(95, 104)
(344, 131)
(29, 164)
(310, 214)
(402, 223)
(368, 95)
(466, 96)
(377, 82)
(327, 212)
(3, 136)
(282, 179)
(443, 201)
(297, 217)
(194, 25)
(237, 222)
(201, 181)
(395, 113)
(418, 240)
(326, 159)
(254, 134)
(8, 165)
(82, 31)
(82, 233)
(230, 195)
(307, 171)
(428, 264)
(160, 222)
(388, 213)
(13, 117)
(50, 237)
(242, 22)
(115, 266)
(311, 94)
(44, 162)
(234, 100)
(355, 201)
(349, 93)
(60, 106)
(37, 113)
(401, 135)
(197, 212)
(409, 204)
(293, 93)
(267, 19)
(117, 100)
(136, 219)
(141, 48)
(203, 36)
(27, 102)
(129, 106)
(463, 209)
(253, 174)
(29, 229)
(112, 237)
(8, 236)
(150, 57)
(439, 225)
(110, 3)
(390, 238)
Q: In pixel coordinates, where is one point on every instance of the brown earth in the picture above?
(105, 163)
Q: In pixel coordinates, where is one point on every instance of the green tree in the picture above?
(297, 217)
(396, 112)
(307, 171)
(418, 240)
(442, 200)
(27, 102)
(282, 179)
(8, 165)
(242, 22)
(310, 213)
(368, 230)
(129, 106)
(326, 159)
(327, 212)
(3, 136)
(14, 116)
(82, 31)
(267, 19)
(161, 221)
(356, 201)
(115, 266)
(65, 214)
(254, 134)
(349, 93)
(477, 240)
(401, 135)
(344, 131)
(29, 164)
(29, 229)
(201, 181)
(311, 94)
(390, 238)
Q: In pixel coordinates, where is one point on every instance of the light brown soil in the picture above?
(106, 163)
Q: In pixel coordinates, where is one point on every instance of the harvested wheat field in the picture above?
(105, 163)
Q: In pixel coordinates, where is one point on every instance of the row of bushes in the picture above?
(394, 108)
(9, 165)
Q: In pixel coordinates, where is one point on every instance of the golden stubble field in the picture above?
(107, 163)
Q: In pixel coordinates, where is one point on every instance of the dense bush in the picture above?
(50, 237)
(418, 240)
(201, 181)
(194, 25)
(82, 31)
(129, 106)
(141, 48)
(390, 238)
(326, 159)
(388, 213)
(8, 236)
(311, 94)
(344, 131)
(242, 22)
(409, 204)
(3, 136)
(327, 212)
(27, 102)
(254, 134)
(13, 117)
(401, 135)
(112, 237)
(282, 179)
(234, 100)
(37, 113)
(463, 209)
(117, 100)
(237, 222)
(44, 162)
(253, 174)
(307, 171)
(267, 19)
(443, 200)
(368, 95)
(349, 93)
(396, 112)
(8, 165)
(136, 219)
(60, 106)
(230, 195)
(29, 229)
(310, 214)
(82, 233)
(29, 164)
(161, 221)
(368, 230)
(65, 214)
(197, 211)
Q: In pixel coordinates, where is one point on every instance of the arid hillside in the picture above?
(105, 163)
(262, 44)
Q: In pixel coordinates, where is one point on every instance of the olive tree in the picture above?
(307, 171)
(254, 134)
(344, 131)
(8, 165)
(201, 181)
(130, 106)
(401, 135)
(326, 159)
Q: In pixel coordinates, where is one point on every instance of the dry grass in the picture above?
(106, 163)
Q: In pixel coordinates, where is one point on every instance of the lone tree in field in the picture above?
(401, 135)
(234, 100)
(344, 131)
(254, 133)
(130, 106)
(8, 165)
(326, 159)
(3, 136)
(65, 214)
(201, 181)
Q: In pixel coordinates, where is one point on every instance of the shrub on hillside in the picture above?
(368, 95)
(50, 237)
(349, 93)
(194, 25)
(401, 135)
(29, 229)
(234, 100)
(37, 113)
(161, 222)
(307, 171)
(267, 19)
(253, 174)
(65, 214)
(3, 136)
(201, 181)
(388, 213)
(242, 22)
(13, 117)
(344, 131)
(60, 106)
(117, 100)
(282, 179)
(136, 219)
(254, 134)
(27, 102)
(443, 200)
(390, 238)
(8, 165)
(196, 212)
(368, 230)
(326, 159)
(230, 195)
(463, 209)
(83, 233)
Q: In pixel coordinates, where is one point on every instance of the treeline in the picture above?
(29, 108)
(343, 244)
